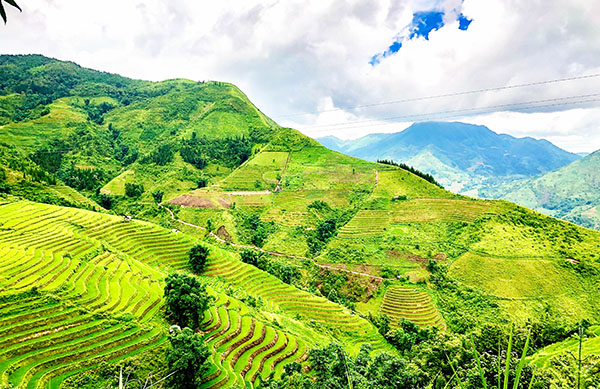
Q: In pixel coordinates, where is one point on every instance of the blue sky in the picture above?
(422, 23)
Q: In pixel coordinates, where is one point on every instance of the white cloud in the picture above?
(291, 56)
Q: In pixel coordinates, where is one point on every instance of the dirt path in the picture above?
(376, 180)
(274, 253)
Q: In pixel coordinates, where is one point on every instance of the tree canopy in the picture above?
(186, 300)
(186, 358)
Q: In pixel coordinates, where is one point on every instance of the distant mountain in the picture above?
(571, 192)
(463, 157)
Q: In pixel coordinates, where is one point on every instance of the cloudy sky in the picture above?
(348, 68)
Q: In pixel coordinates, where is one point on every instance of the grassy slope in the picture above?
(516, 257)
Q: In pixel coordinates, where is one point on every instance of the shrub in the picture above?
(133, 190)
(197, 258)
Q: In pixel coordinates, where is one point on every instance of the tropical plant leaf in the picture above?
(521, 362)
(2, 12)
(508, 354)
(12, 2)
(479, 368)
(460, 384)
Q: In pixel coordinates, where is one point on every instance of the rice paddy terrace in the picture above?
(80, 288)
(410, 304)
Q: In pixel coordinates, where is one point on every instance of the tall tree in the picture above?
(186, 300)
(186, 358)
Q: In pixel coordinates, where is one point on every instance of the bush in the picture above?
(157, 195)
(133, 190)
(197, 258)
(187, 358)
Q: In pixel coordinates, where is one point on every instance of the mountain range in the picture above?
(463, 157)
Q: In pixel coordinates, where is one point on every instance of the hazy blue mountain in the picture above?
(463, 157)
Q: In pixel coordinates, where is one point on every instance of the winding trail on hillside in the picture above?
(274, 253)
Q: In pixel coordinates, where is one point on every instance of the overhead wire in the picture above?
(453, 94)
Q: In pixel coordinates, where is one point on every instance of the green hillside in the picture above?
(570, 193)
(322, 266)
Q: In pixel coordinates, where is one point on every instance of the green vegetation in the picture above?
(186, 300)
(186, 358)
(292, 246)
(198, 256)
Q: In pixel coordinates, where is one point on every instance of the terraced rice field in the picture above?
(91, 302)
(99, 289)
(290, 299)
(244, 349)
(410, 304)
(366, 223)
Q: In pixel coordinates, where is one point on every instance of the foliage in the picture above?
(3, 12)
(285, 272)
(186, 300)
(186, 358)
(198, 256)
(133, 190)
(82, 179)
(157, 195)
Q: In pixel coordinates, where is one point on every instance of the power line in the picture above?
(451, 115)
(453, 111)
(514, 86)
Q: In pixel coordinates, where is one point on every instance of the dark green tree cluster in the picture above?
(186, 300)
(96, 112)
(229, 151)
(318, 238)
(82, 179)
(254, 230)
(133, 190)
(197, 256)
(426, 176)
(186, 358)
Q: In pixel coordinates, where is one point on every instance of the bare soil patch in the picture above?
(193, 202)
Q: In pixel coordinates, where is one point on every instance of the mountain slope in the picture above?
(462, 152)
(571, 192)
(72, 120)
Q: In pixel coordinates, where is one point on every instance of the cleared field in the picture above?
(261, 172)
(410, 304)
(399, 182)
(366, 223)
(547, 282)
(440, 210)
(590, 346)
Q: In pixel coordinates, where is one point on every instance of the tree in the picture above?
(197, 258)
(158, 196)
(186, 358)
(186, 300)
(3, 12)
